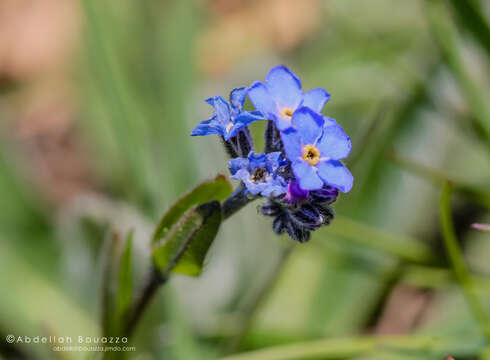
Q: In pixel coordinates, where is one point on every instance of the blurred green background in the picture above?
(97, 100)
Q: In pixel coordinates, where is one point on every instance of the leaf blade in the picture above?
(185, 246)
(217, 189)
(125, 291)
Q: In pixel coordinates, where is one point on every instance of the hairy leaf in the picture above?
(185, 246)
(217, 189)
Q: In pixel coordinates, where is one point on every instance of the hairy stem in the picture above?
(153, 282)
(237, 200)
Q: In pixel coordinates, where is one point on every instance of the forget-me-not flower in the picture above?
(228, 119)
(258, 173)
(314, 145)
(280, 95)
(299, 173)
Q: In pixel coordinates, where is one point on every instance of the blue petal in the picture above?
(308, 123)
(274, 160)
(207, 127)
(281, 123)
(274, 189)
(334, 173)
(237, 97)
(257, 160)
(257, 114)
(248, 117)
(307, 177)
(203, 130)
(237, 164)
(261, 98)
(329, 121)
(222, 110)
(334, 143)
(284, 86)
(315, 99)
(254, 188)
(291, 140)
(242, 175)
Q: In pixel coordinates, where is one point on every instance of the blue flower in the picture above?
(314, 145)
(228, 119)
(258, 173)
(280, 95)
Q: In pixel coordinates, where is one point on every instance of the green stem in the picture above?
(154, 281)
(364, 345)
(457, 262)
(236, 201)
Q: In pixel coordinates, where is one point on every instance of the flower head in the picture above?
(228, 119)
(314, 145)
(259, 173)
(280, 95)
(300, 173)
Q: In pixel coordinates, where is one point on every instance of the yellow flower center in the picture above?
(228, 128)
(287, 113)
(311, 154)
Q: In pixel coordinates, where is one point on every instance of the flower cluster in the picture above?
(299, 172)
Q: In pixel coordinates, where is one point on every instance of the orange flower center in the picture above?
(311, 154)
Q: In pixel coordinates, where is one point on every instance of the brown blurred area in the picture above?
(244, 28)
(38, 47)
(37, 37)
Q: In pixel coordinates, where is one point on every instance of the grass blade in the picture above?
(472, 18)
(449, 43)
(125, 291)
(457, 261)
(404, 247)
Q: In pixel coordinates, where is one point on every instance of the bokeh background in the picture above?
(97, 100)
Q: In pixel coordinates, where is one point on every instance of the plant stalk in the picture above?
(236, 201)
(458, 264)
(152, 283)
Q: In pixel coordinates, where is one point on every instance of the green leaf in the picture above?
(125, 292)
(186, 244)
(217, 189)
